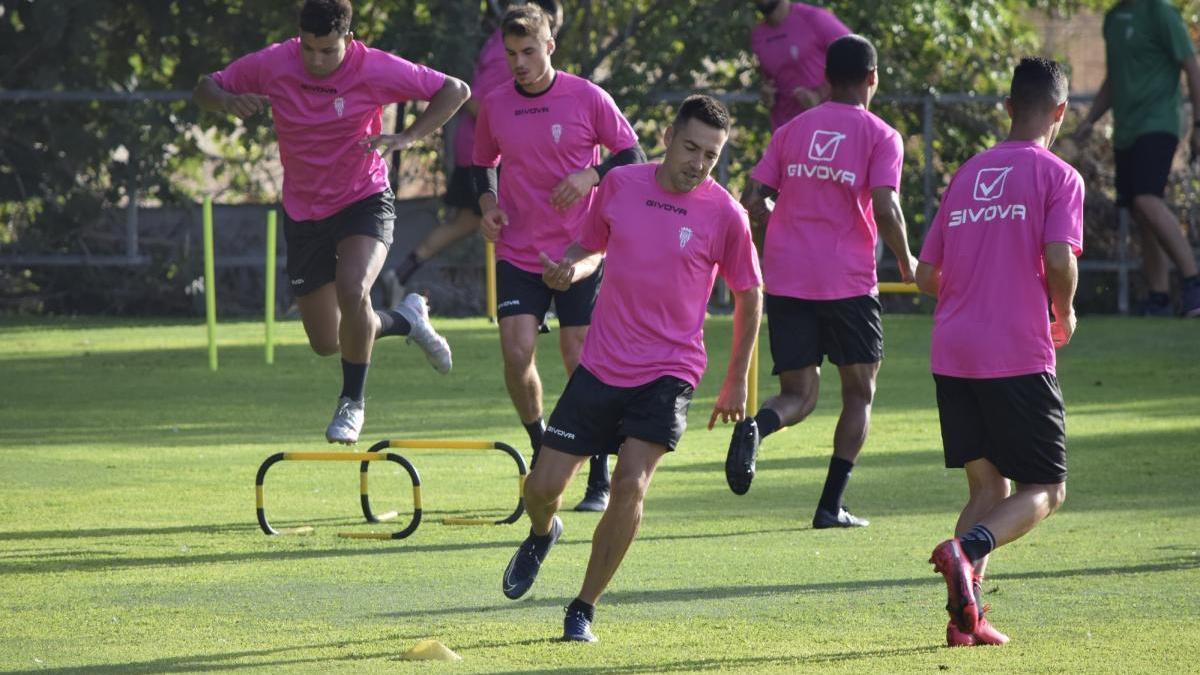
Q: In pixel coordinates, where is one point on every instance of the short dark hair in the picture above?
(1038, 84)
(704, 108)
(526, 21)
(322, 17)
(849, 60)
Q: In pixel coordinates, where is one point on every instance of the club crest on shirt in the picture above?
(989, 183)
(685, 235)
(795, 52)
(556, 132)
(339, 105)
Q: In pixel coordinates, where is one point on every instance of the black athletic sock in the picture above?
(835, 484)
(768, 422)
(1193, 280)
(587, 610)
(1159, 299)
(408, 267)
(354, 379)
(598, 478)
(977, 542)
(392, 322)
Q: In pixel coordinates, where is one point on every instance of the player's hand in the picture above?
(557, 275)
(1063, 327)
(808, 98)
(385, 143)
(731, 402)
(1083, 132)
(768, 92)
(574, 187)
(246, 105)
(492, 222)
(908, 270)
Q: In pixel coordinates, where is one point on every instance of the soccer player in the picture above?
(790, 44)
(326, 91)
(1005, 238)
(1147, 44)
(668, 230)
(491, 70)
(835, 171)
(545, 126)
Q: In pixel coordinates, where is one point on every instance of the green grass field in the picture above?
(128, 541)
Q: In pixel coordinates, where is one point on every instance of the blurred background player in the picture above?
(491, 70)
(326, 92)
(1006, 236)
(835, 171)
(546, 127)
(668, 230)
(1146, 45)
(790, 44)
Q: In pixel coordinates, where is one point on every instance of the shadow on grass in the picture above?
(743, 663)
(737, 592)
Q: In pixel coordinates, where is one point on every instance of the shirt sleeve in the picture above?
(767, 171)
(1175, 36)
(487, 150)
(247, 74)
(1064, 213)
(613, 131)
(396, 80)
(886, 160)
(737, 261)
(593, 227)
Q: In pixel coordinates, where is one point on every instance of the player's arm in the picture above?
(577, 263)
(747, 316)
(1191, 66)
(575, 186)
(929, 278)
(758, 200)
(1062, 276)
(441, 108)
(1100, 105)
(889, 218)
(486, 182)
(210, 96)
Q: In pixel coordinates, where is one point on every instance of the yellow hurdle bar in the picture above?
(897, 287)
(333, 457)
(431, 444)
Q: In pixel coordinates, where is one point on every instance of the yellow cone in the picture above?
(430, 650)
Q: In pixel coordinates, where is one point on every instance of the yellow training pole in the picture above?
(269, 308)
(490, 271)
(210, 285)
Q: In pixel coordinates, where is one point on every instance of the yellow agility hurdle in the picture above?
(365, 458)
(435, 444)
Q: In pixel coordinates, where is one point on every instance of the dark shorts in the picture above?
(312, 244)
(1144, 167)
(1016, 423)
(460, 192)
(592, 417)
(849, 331)
(521, 292)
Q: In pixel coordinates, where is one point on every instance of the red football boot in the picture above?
(949, 560)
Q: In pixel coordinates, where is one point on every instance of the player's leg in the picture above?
(574, 307)
(311, 267)
(394, 281)
(796, 350)
(522, 301)
(852, 332)
(320, 316)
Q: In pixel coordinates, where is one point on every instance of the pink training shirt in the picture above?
(663, 253)
(542, 138)
(792, 54)
(491, 71)
(821, 236)
(320, 121)
(1001, 209)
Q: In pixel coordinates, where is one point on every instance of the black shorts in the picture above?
(849, 331)
(592, 418)
(312, 244)
(1144, 167)
(521, 292)
(1016, 423)
(460, 192)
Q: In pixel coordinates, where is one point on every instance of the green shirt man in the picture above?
(1146, 44)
